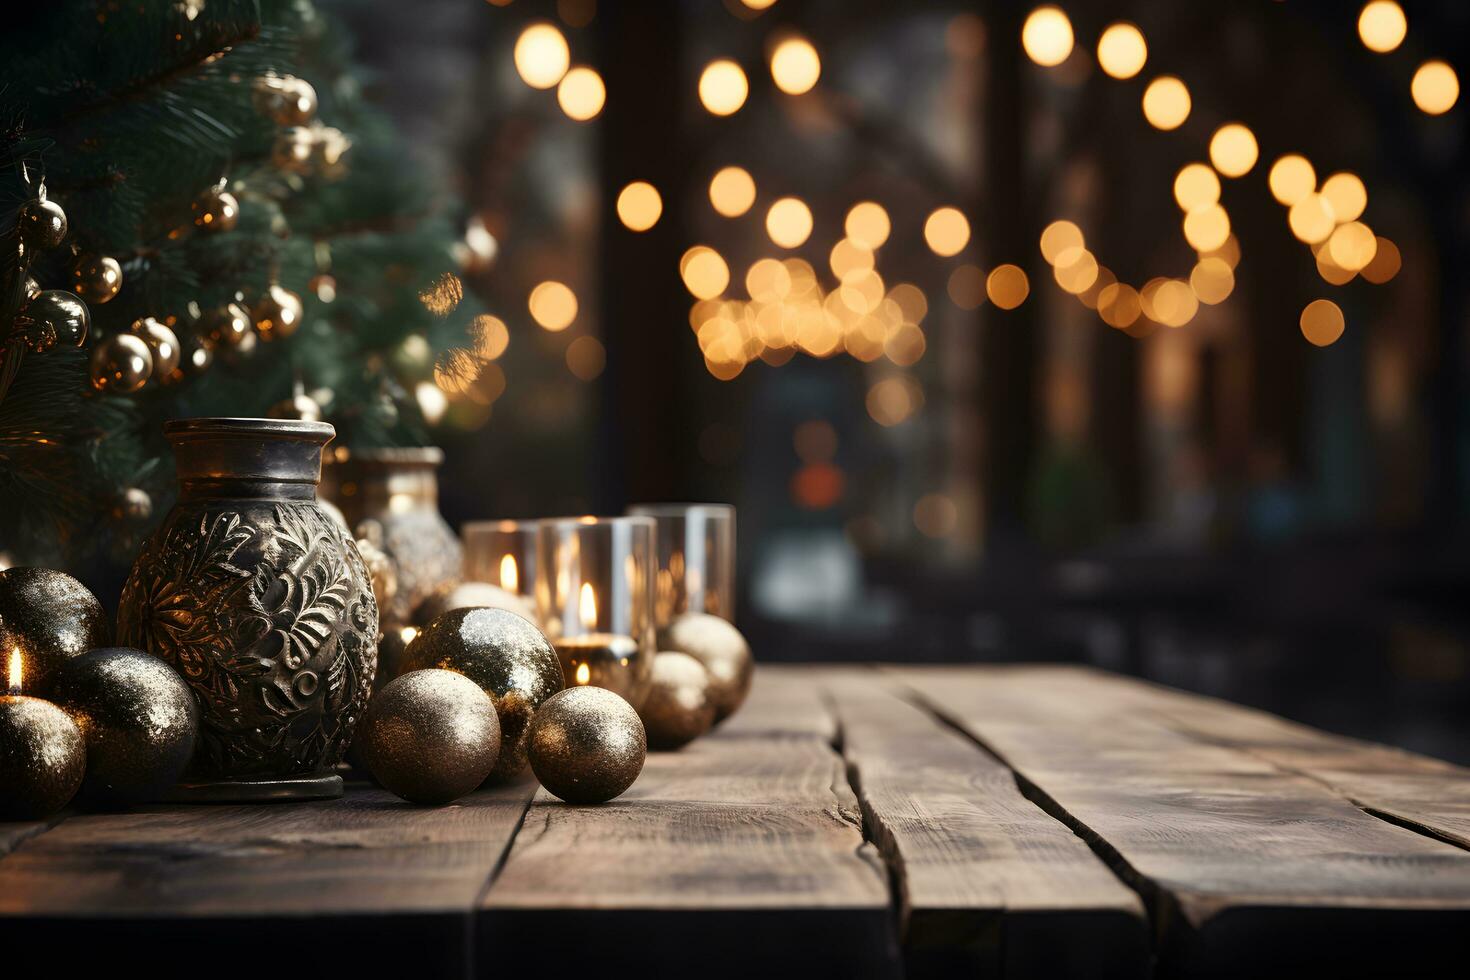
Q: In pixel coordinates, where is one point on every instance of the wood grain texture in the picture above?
(734, 855)
(1247, 866)
(989, 883)
(783, 701)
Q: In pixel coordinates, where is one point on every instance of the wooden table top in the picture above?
(1033, 821)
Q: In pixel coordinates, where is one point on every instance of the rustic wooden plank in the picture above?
(736, 854)
(208, 878)
(990, 884)
(1247, 867)
(782, 701)
(14, 832)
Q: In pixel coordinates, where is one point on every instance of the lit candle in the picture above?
(597, 659)
(42, 755)
(510, 578)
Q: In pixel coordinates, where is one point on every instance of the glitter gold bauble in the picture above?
(121, 364)
(163, 345)
(216, 210)
(50, 617)
(467, 595)
(678, 708)
(42, 758)
(52, 317)
(431, 736)
(587, 745)
(97, 278)
(226, 326)
(723, 651)
(41, 223)
(285, 99)
(138, 718)
(277, 313)
(507, 656)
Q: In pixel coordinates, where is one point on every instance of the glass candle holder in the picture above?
(696, 559)
(501, 553)
(594, 596)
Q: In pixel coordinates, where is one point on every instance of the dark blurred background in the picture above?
(1224, 495)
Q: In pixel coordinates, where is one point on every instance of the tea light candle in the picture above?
(598, 659)
(42, 754)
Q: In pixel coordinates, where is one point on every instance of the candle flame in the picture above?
(584, 673)
(588, 606)
(510, 576)
(15, 670)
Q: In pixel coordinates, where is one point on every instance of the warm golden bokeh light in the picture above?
(704, 272)
(1058, 237)
(912, 304)
(1122, 50)
(553, 305)
(935, 515)
(947, 231)
(586, 357)
(966, 287)
(1229, 252)
(541, 55)
(758, 4)
(1322, 322)
(1172, 303)
(1382, 25)
(867, 224)
(1207, 228)
(789, 222)
(894, 400)
(1166, 103)
(1118, 305)
(1007, 286)
(1312, 219)
(1435, 87)
(1386, 262)
(732, 191)
(489, 336)
(848, 259)
(639, 206)
(1328, 268)
(1076, 270)
(1292, 178)
(1233, 150)
(1212, 280)
(581, 94)
(1196, 186)
(1347, 196)
(905, 345)
(1352, 246)
(1047, 36)
(722, 87)
(795, 66)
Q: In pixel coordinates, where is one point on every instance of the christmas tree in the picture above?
(200, 216)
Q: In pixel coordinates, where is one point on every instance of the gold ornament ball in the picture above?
(470, 595)
(121, 364)
(226, 326)
(301, 407)
(50, 617)
(97, 278)
(41, 223)
(587, 745)
(431, 736)
(721, 649)
(216, 210)
(292, 149)
(278, 313)
(507, 656)
(195, 357)
(54, 316)
(133, 506)
(42, 758)
(138, 718)
(678, 708)
(285, 99)
(163, 345)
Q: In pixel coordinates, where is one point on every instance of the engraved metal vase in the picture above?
(261, 601)
(390, 498)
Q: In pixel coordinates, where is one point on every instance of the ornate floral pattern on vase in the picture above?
(261, 601)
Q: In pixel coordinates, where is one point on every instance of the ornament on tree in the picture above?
(121, 364)
(195, 357)
(299, 406)
(41, 223)
(328, 146)
(285, 99)
(586, 745)
(430, 736)
(324, 286)
(97, 278)
(721, 649)
(134, 506)
(292, 149)
(162, 343)
(53, 317)
(216, 209)
(33, 288)
(678, 708)
(277, 313)
(226, 326)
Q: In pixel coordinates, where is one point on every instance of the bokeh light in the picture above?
(732, 191)
(1007, 286)
(586, 358)
(789, 222)
(795, 66)
(947, 231)
(1166, 103)
(704, 272)
(1233, 150)
(848, 258)
(935, 515)
(723, 87)
(1118, 305)
(553, 305)
(1058, 237)
(1196, 186)
(1346, 195)
(1047, 36)
(1292, 178)
(1122, 51)
(1322, 322)
(867, 224)
(1212, 280)
(639, 206)
(1435, 87)
(1312, 219)
(1385, 264)
(1382, 25)
(581, 94)
(489, 336)
(894, 400)
(541, 55)
(1207, 228)
(1352, 246)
